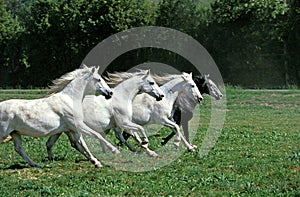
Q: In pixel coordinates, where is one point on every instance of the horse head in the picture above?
(207, 86)
(150, 87)
(191, 88)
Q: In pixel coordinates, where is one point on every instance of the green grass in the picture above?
(257, 154)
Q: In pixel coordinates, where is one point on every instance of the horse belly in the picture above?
(39, 130)
(34, 125)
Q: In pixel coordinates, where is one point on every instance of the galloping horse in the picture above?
(60, 111)
(183, 113)
(182, 110)
(102, 115)
(146, 111)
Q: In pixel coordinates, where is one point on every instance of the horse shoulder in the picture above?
(97, 112)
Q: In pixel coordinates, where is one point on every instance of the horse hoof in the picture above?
(176, 144)
(36, 166)
(137, 152)
(98, 165)
(191, 149)
(153, 154)
(194, 146)
(115, 151)
(7, 139)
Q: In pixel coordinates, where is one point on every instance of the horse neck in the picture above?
(128, 89)
(76, 89)
(172, 89)
(202, 87)
(185, 103)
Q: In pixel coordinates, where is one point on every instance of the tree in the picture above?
(257, 34)
(11, 58)
(58, 34)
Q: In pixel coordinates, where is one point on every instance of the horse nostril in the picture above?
(110, 93)
(162, 96)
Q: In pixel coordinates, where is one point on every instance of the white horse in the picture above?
(60, 111)
(184, 107)
(146, 111)
(102, 115)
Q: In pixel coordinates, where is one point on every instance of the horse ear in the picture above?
(206, 77)
(92, 69)
(148, 72)
(191, 74)
(184, 75)
(97, 69)
(84, 66)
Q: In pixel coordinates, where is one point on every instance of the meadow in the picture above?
(257, 154)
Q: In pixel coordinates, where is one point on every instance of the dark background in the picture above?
(255, 43)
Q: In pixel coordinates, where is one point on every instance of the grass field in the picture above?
(257, 154)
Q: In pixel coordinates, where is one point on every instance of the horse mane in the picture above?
(60, 83)
(113, 79)
(160, 80)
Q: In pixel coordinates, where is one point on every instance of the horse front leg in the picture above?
(50, 143)
(187, 116)
(175, 117)
(185, 127)
(166, 139)
(120, 136)
(20, 150)
(83, 128)
(179, 136)
(132, 127)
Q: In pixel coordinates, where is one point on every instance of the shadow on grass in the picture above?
(18, 166)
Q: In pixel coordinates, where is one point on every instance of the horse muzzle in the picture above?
(199, 99)
(108, 95)
(160, 97)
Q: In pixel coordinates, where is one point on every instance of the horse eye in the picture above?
(192, 86)
(99, 80)
(151, 83)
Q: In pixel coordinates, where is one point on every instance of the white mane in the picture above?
(113, 79)
(183, 101)
(160, 80)
(60, 83)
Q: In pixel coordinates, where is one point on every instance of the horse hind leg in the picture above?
(133, 128)
(49, 144)
(123, 139)
(79, 144)
(166, 139)
(20, 150)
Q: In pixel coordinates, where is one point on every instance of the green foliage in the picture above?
(10, 33)
(180, 15)
(265, 10)
(9, 25)
(257, 154)
(58, 34)
(274, 14)
(40, 40)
